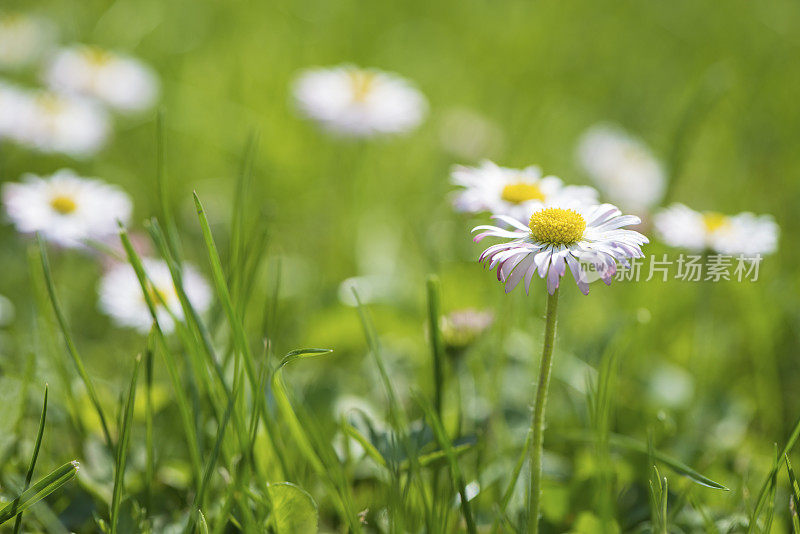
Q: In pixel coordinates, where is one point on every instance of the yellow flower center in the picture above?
(557, 226)
(50, 103)
(714, 221)
(362, 83)
(157, 296)
(634, 153)
(11, 19)
(63, 204)
(97, 56)
(520, 192)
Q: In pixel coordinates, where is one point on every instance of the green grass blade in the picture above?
(455, 471)
(664, 497)
(397, 415)
(436, 456)
(49, 334)
(773, 489)
(368, 447)
(282, 400)
(169, 358)
(237, 243)
(36, 446)
(161, 184)
(512, 483)
(39, 491)
(122, 448)
(199, 330)
(71, 348)
(235, 323)
(208, 471)
(437, 350)
(305, 439)
(202, 525)
(626, 443)
(762, 494)
(794, 503)
(149, 469)
(218, 275)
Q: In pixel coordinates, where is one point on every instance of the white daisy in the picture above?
(623, 168)
(359, 102)
(581, 238)
(745, 233)
(122, 299)
(514, 192)
(66, 208)
(52, 122)
(124, 83)
(23, 39)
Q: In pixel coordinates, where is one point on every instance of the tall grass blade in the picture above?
(149, 469)
(169, 358)
(237, 243)
(36, 446)
(794, 503)
(325, 465)
(161, 183)
(122, 448)
(762, 493)
(282, 400)
(397, 415)
(773, 488)
(436, 343)
(71, 348)
(455, 471)
(212, 460)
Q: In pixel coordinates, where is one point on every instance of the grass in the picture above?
(231, 428)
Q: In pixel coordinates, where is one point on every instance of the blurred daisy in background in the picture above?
(121, 296)
(52, 122)
(588, 240)
(23, 39)
(468, 135)
(462, 328)
(623, 168)
(66, 208)
(122, 82)
(513, 192)
(358, 102)
(745, 233)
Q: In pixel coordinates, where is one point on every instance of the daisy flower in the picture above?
(622, 167)
(23, 39)
(513, 192)
(579, 238)
(359, 102)
(121, 295)
(66, 208)
(52, 122)
(746, 234)
(124, 83)
(462, 328)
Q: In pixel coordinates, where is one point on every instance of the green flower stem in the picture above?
(537, 423)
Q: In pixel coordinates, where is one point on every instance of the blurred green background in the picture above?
(708, 372)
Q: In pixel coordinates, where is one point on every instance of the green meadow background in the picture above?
(706, 374)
